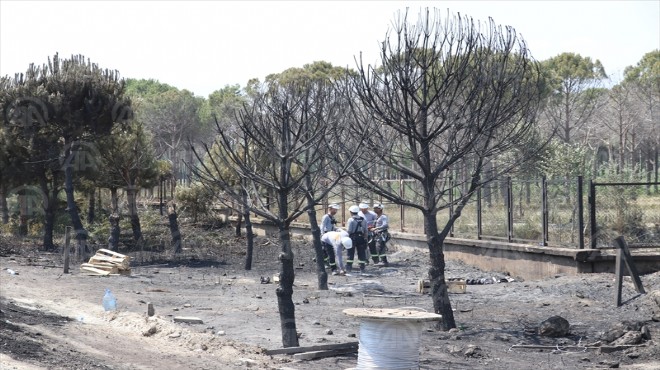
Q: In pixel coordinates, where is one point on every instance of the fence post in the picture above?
(343, 206)
(479, 214)
(451, 205)
(67, 248)
(580, 195)
(544, 210)
(623, 257)
(509, 209)
(592, 213)
(161, 192)
(402, 193)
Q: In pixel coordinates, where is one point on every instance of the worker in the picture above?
(381, 234)
(370, 217)
(328, 223)
(357, 231)
(334, 242)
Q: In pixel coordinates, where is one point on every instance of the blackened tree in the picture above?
(450, 95)
(272, 149)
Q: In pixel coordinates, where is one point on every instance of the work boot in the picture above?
(375, 259)
(383, 262)
(349, 268)
(361, 267)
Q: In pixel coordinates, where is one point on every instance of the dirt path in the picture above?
(54, 320)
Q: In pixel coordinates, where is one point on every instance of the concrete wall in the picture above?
(519, 260)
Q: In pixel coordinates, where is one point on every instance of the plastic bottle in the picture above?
(109, 301)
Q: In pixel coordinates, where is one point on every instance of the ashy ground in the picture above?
(52, 320)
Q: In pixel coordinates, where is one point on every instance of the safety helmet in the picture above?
(334, 206)
(363, 205)
(378, 205)
(354, 209)
(347, 242)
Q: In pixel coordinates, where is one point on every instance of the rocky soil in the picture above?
(52, 320)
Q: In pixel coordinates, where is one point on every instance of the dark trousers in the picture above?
(382, 250)
(329, 251)
(372, 247)
(362, 255)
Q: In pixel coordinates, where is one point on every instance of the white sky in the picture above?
(203, 46)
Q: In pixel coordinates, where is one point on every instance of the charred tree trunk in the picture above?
(49, 226)
(174, 229)
(250, 241)
(91, 212)
(115, 230)
(440, 296)
(285, 291)
(114, 201)
(321, 274)
(239, 223)
(72, 208)
(22, 213)
(3, 204)
(249, 234)
(49, 210)
(131, 195)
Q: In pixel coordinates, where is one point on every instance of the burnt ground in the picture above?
(52, 320)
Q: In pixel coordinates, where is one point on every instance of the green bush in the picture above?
(194, 201)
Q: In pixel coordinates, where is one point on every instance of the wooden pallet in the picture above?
(106, 262)
(95, 267)
(453, 286)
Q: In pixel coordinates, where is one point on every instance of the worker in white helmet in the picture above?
(334, 242)
(381, 234)
(357, 231)
(370, 217)
(328, 223)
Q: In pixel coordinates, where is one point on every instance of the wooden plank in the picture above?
(618, 268)
(113, 254)
(111, 269)
(94, 270)
(122, 264)
(188, 319)
(383, 296)
(321, 354)
(100, 259)
(102, 264)
(321, 347)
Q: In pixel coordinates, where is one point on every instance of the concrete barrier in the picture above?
(519, 260)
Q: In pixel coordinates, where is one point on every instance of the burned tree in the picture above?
(83, 102)
(272, 149)
(449, 96)
(327, 106)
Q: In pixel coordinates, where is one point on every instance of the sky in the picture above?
(203, 46)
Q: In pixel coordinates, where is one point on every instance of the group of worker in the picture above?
(364, 229)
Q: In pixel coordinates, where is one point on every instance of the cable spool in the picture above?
(389, 338)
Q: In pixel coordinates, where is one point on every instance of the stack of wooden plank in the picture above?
(107, 262)
(453, 286)
(318, 351)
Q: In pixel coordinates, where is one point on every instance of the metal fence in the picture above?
(555, 212)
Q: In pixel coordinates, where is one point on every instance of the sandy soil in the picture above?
(51, 320)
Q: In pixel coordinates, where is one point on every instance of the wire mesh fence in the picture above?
(555, 213)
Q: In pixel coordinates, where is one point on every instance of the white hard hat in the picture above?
(347, 242)
(378, 205)
(363, 205)
(354, 209)
(334, 206)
